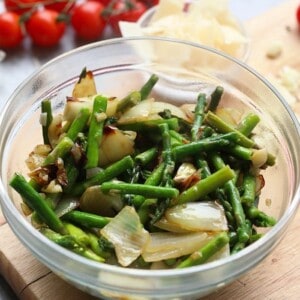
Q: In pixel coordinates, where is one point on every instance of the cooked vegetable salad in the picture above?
(142, 183)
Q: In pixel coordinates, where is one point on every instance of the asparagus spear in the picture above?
(177, 139)
(37, 203)
(218, 193)
(248, 123)
(249, 188)
(79, 235)
(109, 173)
(95, 131)
(153, 179)
(220, 125)
(215, 98)
(205, 186)
(150, 125)
(168, 161)
(146, 157)
(46, 110)
(72, 174)
(258, 217)
(86, 219)
(207, 251)
(78, 123)
(148, 86)
(69, 242)
(140, 189)
(207, 144)
(167, 176)
(247, 154)
(235, 201)
(198, 116)
(130, 100)
(59, 151)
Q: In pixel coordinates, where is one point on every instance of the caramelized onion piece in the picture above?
(127, 234)
(199, 216)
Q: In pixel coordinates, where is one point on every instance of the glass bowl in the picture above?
(121, 65)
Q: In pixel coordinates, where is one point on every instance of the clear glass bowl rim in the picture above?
(16, 218)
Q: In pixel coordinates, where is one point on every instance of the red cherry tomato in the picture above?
(61, 6)
(104, 2)
(87, 20)
(10, 30)
(150, 3)
(125, 10)
(19, 6)
(44, 27)
(298, 15)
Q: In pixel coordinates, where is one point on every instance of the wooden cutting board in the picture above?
(277, 277)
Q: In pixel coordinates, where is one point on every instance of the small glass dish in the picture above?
(243, 51)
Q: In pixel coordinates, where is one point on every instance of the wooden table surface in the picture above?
(277, 277)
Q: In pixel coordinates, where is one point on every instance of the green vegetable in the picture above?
(95, 131)
(78, 123)
(198, 116)
(215, 98)
(205, 186)
(37, 203)
(148, 86)
(207, 251)
(107, 174)
(223, 127)
(140, 189)
(46, 109)
(60, 151)
(86, 219)
(111, 213)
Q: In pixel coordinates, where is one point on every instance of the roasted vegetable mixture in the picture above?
(146, 184)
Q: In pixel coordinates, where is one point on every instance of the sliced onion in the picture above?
(139, 112)
(127, 234)
(186, 176)
(149, 110)
(259, 157)
(85, 86)
(93, 200)
(55, 129)
(175, 110)
(66, 205)
(115, 145)
(164, 224)
(184, 171)
(200, 216)
(165, 245)
(74, 105)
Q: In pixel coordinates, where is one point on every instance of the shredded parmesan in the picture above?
(205, 22)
